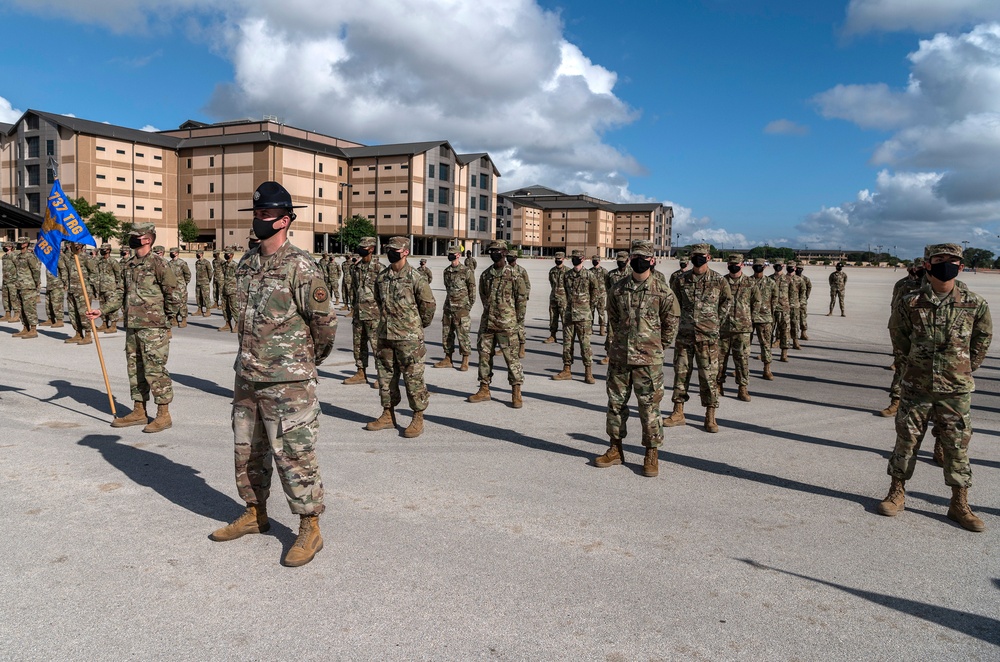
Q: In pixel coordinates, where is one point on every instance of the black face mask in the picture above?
(944, 271)
(840, 268)
(452, 257)
(135, 242)
(735, 268)
(595, 262)
(798, 272)
(577, 261)
(758, 268)
(918, 273)
(362, 251)
(640, 265)
(107, 253)
(393, 256)
(699, 260)
(621, 264)
(173, 255)
(559, 263)
(497, 257)
(790, 270)
(264, 229)
(684, 265)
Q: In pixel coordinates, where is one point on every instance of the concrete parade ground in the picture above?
(492, 535)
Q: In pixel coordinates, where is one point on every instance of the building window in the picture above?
(355, 192)
(321, 217)
(120, 179)
(120, 151)
(140, 181)
(140, 207)
(443, 171)
(31, 123)
(100, 176)
(211, 162)
(472, 202)
(189, 164)
(371, 168)
(472, 180)
(211, 187)
(340, 171)
(33, 143)
(442, 219)
(386, 215)
(404, 216)
(484, 181)
(101, 205)
(482, 223)
(50, 147)
(387, 192)
(100, 149)
(157, 158)
(444, 195)
(139, 155)
(430, 195)
(340, 194)
(321, 191)
(430, 171)
(483, 204)
(405, 166)
(33, 175)
(211, 212)
(320, 166)
(404, 191)
(157, 208)
(371, 217)
(371, 192)
(388, 167)
(189, 189)
(34, 203)
(50, 176)
(356, 169)
(430, 219)
(120, 206)
(157, 183)
(189, 213)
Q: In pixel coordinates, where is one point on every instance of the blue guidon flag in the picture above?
(61, 224)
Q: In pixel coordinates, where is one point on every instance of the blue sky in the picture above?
(827, 123)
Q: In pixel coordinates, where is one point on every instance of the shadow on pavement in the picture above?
(203, 385)
(501, 434)
(945, 501)
(90, 397)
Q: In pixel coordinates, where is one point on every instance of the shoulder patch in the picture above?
(320, 294)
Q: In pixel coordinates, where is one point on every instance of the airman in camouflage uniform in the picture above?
(406, 308)
(682, 269)
(28, 272)
(706, 302)
(504, 296)
(782, 322)
(580, 290)
(149, 294)
(838, 283)
(643, 312)
(109, 280)
(333, 278)
(217, 277)
(75, 300)
(9, 284)
(203, 284)
(460, 295)
(621, 271)
(557, 297)
(907, 285)
(227, 273)
(943, 333)
(425, 270)
(55, 294)
(523, 275)
(470, 261)
(794, 307)
(365, 309)
(763, 313)
(805, 290)
(737, 330)
(347, 282)
(599, 304)
(183, 273)
(286, 329)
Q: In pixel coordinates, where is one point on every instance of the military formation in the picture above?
(281, 304)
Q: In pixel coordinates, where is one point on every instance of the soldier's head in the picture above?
(576, 257)
(272, 213)
(790, 267)
(560, 256)
(230, 251)
(123, 252)
(943, 262)
(758, 265)
(798, 270)
(641, 257)
(778, 265)
(917, 267)
(6, 247)
(497, 251)
(105, 249)
(595, 260)
(76, 248)
(252, 240)
(365, 249)
(423, 261)
(511, 258)
(396, 251)
(453, 253)
(468, 253)
(840, 266)
(621, 259)
(683, 261)
(23, 243)
(735, 264)
(174, 252)
(215, 254)
(701, 255)
(199, 254)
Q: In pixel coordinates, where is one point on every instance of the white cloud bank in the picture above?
(8, 114)
(918, 15)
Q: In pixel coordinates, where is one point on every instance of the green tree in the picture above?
(84, 209)
(189, 230)
(353, 230)
(124, 231)
(977, 257)
(102, 224)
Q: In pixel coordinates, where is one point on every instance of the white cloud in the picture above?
(8, 114)
(150, 128)
(786, 128)
(918, 15)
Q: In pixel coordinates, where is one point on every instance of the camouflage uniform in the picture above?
(460, 295)
(9, 281)
(599, 304)
(580, 290)
(109, 279)
(838, 282)
(406, 306)
(675, 276)
(522, 273)
(347, 284)
(426, 272)
(612, 277)
(470, 262)
(737, 330)
(286, 328)
(364, 323)
(149, 296)
(805, 290)
(217, 279)
(55, 293)
(28, 271)
(902, 288)
(76, 303)
(504, 295)
(782, 332)
(183, 273)
(706, 303)
(794, 305)
(763, 313)
(226, 274)
(333, 279)
(203, 284)
(557, 296)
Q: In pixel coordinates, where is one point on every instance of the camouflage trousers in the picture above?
(27, 305)
(334, 291)
(77, 311)
(706, 354)
(55, 303)
(279, 420)
(803, 322)
(509, 346)
(577, 332)
(229, 312)
(557, 308)
(364, 335)
(951, 420)
(456, 323)
(347, 299)
(600, 311)
(203, 294)
(146, 353)
(9, 297)
(835, 296)
(782, 329)
(520, 335)
(182, 311)
(217, 292)
(738, 345)
(395, 358)
(764, 332)
(111, 318)
(793, 323)
(647, 380)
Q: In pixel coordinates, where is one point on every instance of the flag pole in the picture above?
(93, 329)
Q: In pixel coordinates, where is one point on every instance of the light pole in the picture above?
(677, 247)
(965, 248)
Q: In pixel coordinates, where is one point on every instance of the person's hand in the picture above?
(92, 314)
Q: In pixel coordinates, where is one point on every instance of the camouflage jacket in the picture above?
(676, 275)
(794, 288)
(109, 275)
(781, 284)
(9, 269)
(89, 270)
(645, 318)
(600, 276)
(28, 270)
(580, 291)
(181, 270)
(217, 274)
(64, 269)
(348, 281)
(149, 293)
(332, 273)
(460, 289)
(767, 300)
(746, 299)
(706, 301)
(806, 291)
(838, 279)
(942, 341)
(363, 277)
(406, 303)
(616, 275)
(203, 271)
(226, 275)
(286, 325)
(556, 274)
(504, 299)
(471, 263)
(427, 273)
(523, 274)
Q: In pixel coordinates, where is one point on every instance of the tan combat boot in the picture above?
(719, 387)
(830, 313)
(549, 340)
(16, 317)
(226, 327)
(416, 426)
(894, 503)
(44, 323)
(742, 394)
(613, 457)
(588, 375)
(651, 463)
(891, 409)
(20, 333)
(357, 378)
(306, 545)
(57, 324)
(74, 340)
(253, 520)
(444, 363)
(136, 417)
(803, 335)
(384, 422)
(795, 343)
(515, 396)
(87, 338)
(960, 512)
(784, 355)
(183, 323)
(710, 424)
(565, 374)
(676, 417)
(111, 328)
(162, 420)
(768, 375)
(603, 331)
(207, 312)
(32, 333)
(465, 363)
(938, 453)
(482, 395)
